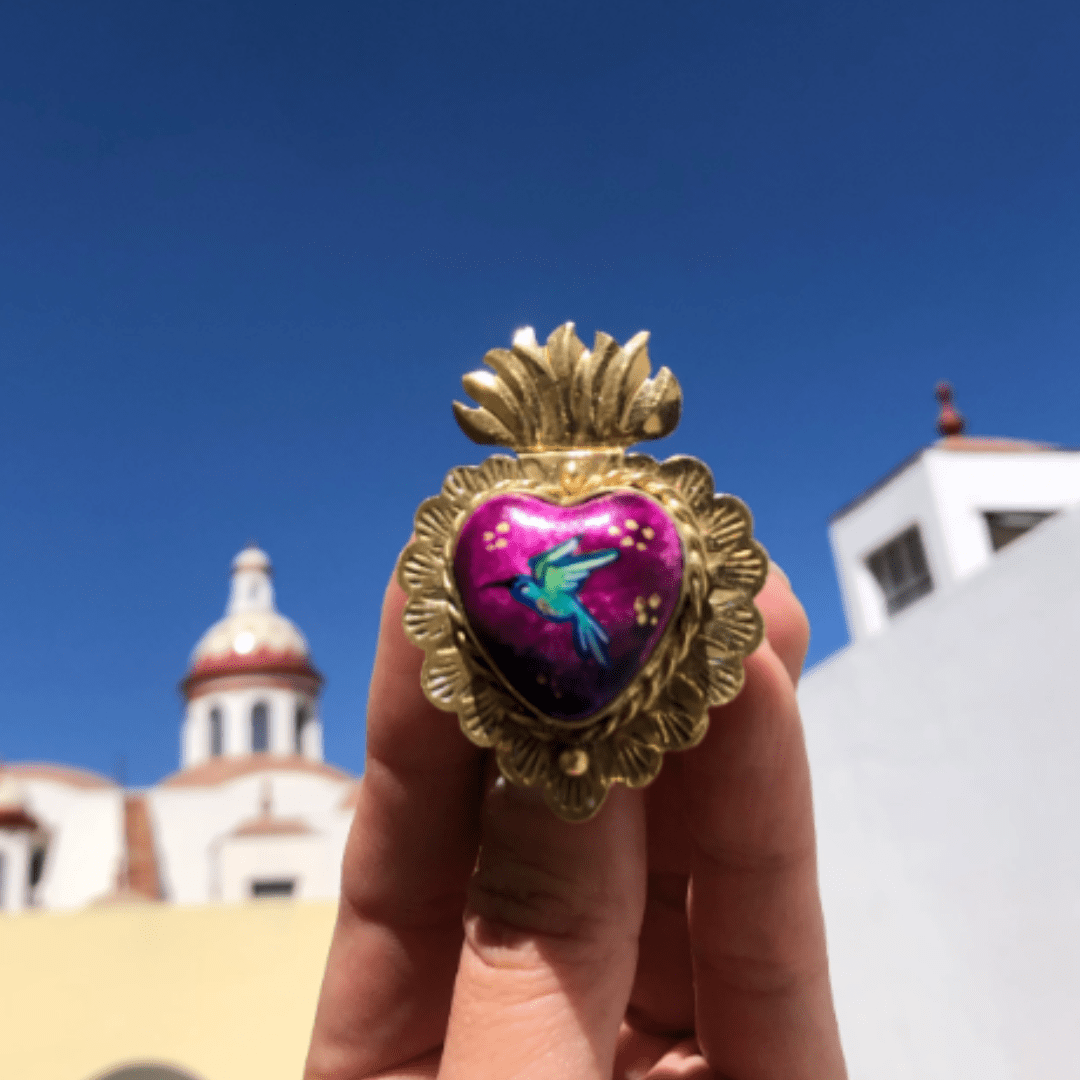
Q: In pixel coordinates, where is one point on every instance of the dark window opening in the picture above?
(1006, 525)
(260, 729)
(217, 733)
(302, 718)
(901, 570)
(273, 887)
(37, 866)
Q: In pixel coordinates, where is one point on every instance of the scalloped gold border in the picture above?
(696, 664)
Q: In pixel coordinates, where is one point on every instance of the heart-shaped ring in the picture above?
(580, 607)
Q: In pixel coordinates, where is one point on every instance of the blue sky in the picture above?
(248, 249)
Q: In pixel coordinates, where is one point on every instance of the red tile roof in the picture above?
(16, 819)
(61, 774)
(219, 770)
(262, 661)
(142, 867)
(990, 444)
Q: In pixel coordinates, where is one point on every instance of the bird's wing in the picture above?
(570, 573)
(538, 564)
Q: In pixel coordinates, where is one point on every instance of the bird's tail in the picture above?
(590, 638)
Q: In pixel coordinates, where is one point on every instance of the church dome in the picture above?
(247, 634)
(254, 637)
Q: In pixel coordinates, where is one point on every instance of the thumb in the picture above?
(551, 937)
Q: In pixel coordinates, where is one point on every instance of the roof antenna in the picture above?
(949, 421)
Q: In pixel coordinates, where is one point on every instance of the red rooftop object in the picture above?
(949, 421)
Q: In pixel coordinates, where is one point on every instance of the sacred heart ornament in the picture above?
(580, 607)
(600, 582)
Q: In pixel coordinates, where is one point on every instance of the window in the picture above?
(37, 865)
(301, 722)
(1006, 525)
(260, 729)
(217, 733)
(901, 570)
(272, 887)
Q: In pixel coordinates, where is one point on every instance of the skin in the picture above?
(678, 934)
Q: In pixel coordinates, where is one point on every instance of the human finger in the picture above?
(662, 1001)
(764, 1005)
(786, 625)
(551, 934)
(412, 847)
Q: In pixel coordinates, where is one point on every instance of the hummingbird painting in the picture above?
(551, 591)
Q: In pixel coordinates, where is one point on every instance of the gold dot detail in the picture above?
(654, 600)
(631, 524)
(503, 527)
(647, 533)
(614, 530)
(488, 537)
(501, 542)
(491, 547)
(642, 618)
(641, 546)
(627, 541)
(574, 762)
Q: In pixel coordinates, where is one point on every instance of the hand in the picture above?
(678, 934)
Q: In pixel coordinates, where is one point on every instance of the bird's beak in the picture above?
(499, 584)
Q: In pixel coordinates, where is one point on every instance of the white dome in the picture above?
(254, 637)
(248, 632)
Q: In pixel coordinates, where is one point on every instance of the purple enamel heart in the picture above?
(569, 601)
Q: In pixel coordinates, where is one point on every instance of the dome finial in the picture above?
(950, 422)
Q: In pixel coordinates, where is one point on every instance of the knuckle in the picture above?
(516, 910)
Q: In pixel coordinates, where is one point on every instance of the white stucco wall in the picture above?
(236, 706)
(965, 485)
(905, 500)
(946, 763)
(191, 823)
(85, 840)
(946, 492)
(308, 860)
(15, 847)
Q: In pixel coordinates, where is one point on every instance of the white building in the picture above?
(253, 812)
(945, 748)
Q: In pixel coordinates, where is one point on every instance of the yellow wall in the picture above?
(227, 992)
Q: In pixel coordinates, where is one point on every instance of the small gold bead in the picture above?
(574, 762)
